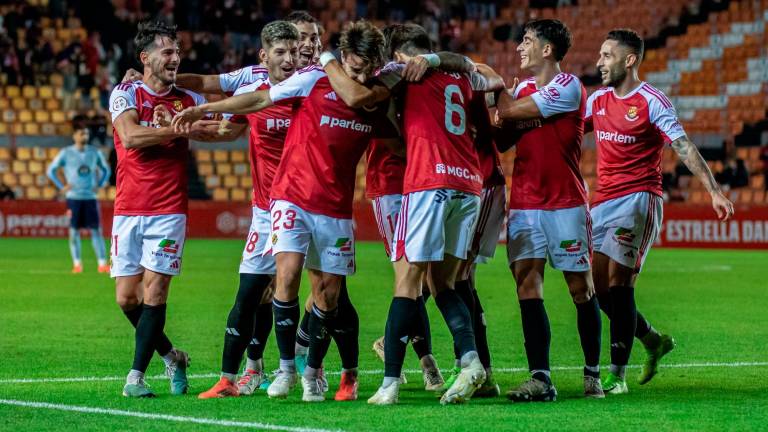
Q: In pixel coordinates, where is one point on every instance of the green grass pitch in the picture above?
(55, 326)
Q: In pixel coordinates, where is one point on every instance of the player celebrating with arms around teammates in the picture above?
(632, 122)
(80, 163)
(268, 129)
(151, 203)
(311, 206)
(440, 202)
(548, 213)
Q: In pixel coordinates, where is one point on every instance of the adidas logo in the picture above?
(601, 112)
(146, 104)
(285, 322)
(404, 339)
(582, 261)
(331, 96)
(255, 341)
(232, 331)
(629, 254)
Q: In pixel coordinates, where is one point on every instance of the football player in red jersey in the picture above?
(632, 123)
(151, 203)
(440, 203)
(312, 204)
(250, 320)
(548, 210)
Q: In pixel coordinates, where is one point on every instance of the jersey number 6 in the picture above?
(451, 108)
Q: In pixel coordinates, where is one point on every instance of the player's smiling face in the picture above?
(281, 59)
(163, 59)
(612, 63)
(357, 68)
(530, 50)
(309, 42)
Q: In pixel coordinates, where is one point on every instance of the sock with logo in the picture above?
(402, 313)
(643, 327)
(302, 335)
(319, 323)
(536, 333)
(590, 327)
(345, 329)
(422, 334)
(286, 323)
(147, 332)
(261, 330)
(163, 346)
(239, 331)
(623, 323)
(456, 315)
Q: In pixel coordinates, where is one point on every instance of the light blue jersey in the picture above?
(80, 171)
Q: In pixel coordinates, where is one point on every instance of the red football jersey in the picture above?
(437, 126)
(323, 145)
(630, 133)
(151, 180)
(487, 154)
(546, 173)
(385, 172)
(268, 129)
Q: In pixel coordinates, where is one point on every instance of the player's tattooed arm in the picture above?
(354, 94)
(452, 62)
(133, 135)
(209, 84)
(690, 156)
(241, 104)
(416, 66)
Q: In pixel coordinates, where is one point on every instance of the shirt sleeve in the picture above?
(232, 81)
(298, 85)
(57, 163)
(664, 116)
(242, 118)
(122, 99)
(561, 95)
(590, 101)
(391, 75)
(478, 81)
(104, 168)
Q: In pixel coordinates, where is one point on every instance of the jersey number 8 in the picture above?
(457, 108)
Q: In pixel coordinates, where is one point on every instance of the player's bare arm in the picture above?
(353, 93)
(417, 66)
(690, 156)
(209, 84)
(241, 104)
(133, 135)
(509, 108)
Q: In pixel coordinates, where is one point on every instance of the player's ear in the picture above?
(630, 61)
(144, 57)
(263, 55)
(546, 50)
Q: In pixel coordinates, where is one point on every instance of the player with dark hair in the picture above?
(548, 211)
(312, 206)
(310, 44)
(440, 203)
(632, 123)
(250, 320)
(151, 204)
(85, 172)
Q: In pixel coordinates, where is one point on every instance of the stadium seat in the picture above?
(220, 156)
(18, 103)
(23, 153)
(49, 192)
(33, 192)
(205, 168)
(220, 194)
(58, 117)
(52, 104)
(12, 91)
(3, 128)
(35, 167)
(26, 179)
(11, 179)
(246, 182)
(238, 156)
(46, 92)
(48, 129)
(5, 167)
(238, 194)
(111, 193)
(231, 181)
(203, 155)
(31, 129)
(212, 181)
(241, 169)
(223, 168)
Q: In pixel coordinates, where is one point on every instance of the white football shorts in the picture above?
(626, 227)
(435, 223)
(562, 236)
(386, 208)
(493, 205)
(254, 260)
(328, 243)
(154, 243)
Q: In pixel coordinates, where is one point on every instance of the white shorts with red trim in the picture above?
(435, 223)
(493, 204)
(153, 243)
(386, 208)
(254, 260)
(562, 236)
(328, 243)
(626, 227)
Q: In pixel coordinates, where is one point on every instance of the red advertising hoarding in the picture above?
(684, 225)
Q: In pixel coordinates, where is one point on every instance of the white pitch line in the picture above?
(152, 416)
(377, 372)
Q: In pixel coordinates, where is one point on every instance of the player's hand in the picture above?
(722, 205)
(415, 68)
(161, 116)
(225, 127)
(132, 75)
(182, 123)
(205, 130)
(66, 188)
(496, 81)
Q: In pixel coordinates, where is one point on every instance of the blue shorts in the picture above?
(83, 213)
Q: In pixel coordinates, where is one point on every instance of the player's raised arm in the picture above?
(240, 104)
(353, 93)
(561, 95)
(133, 135)
(691, 157)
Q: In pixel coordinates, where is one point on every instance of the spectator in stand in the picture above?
(735, 174)
(6, 193)
(69, 85)
(764, 158)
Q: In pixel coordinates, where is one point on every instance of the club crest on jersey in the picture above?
(177, 105)
(344, 244)
(550, 94)
(570, 245)
(274, 238)
(631, 113)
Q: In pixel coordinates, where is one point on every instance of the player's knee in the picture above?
(127, 301)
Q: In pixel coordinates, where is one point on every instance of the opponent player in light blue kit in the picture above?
(80, 163)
